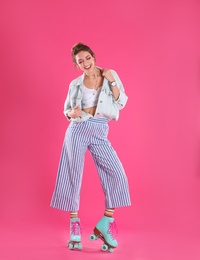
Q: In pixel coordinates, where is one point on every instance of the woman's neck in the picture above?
(94, 74)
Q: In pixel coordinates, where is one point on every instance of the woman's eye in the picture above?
(88, 58)
(80, 62)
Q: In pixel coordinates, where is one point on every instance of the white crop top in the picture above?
(90, 96)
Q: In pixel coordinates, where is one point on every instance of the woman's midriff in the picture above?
(90, 110)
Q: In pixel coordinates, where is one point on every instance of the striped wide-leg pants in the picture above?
(91, 135)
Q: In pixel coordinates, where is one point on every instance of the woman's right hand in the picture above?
(75, 112)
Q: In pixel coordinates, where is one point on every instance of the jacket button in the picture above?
(101, 101)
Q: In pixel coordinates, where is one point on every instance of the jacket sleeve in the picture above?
(67, 105)
(121, 101)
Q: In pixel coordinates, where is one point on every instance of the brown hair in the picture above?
(80, 47)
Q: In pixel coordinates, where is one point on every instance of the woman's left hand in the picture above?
(107, 74)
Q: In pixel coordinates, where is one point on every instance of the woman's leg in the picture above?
(66, 195)
(112, 175)
(109, 212)
(114, 183)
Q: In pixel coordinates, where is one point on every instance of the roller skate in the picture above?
(104, 230)
(75, 234)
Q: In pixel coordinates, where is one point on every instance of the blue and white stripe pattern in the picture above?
(91, 135)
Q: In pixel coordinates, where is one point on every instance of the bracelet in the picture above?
(68, 115)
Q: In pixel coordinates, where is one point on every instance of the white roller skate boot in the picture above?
(75, 234)
(104, 230)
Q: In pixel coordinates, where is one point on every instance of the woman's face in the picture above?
(85, 62)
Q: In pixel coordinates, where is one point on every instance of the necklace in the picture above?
(96, 81)
(91, 92)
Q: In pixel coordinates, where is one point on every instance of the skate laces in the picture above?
(112, 229)
(76, 228)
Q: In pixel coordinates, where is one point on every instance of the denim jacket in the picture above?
(107, 106)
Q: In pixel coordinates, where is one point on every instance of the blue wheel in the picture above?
(104, 247)
(93, 237)
(76, 246)
(70, 245)
(80, 246)
(111, 250)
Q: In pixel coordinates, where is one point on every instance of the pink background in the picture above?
(154, 47)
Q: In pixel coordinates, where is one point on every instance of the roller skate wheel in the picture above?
(104, 247)
(70, 245)
(111, 250)
(93, 237)
(78, 246)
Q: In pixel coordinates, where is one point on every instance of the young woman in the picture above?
(93, 99)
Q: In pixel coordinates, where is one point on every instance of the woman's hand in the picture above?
(107, 74)
(75, 112)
